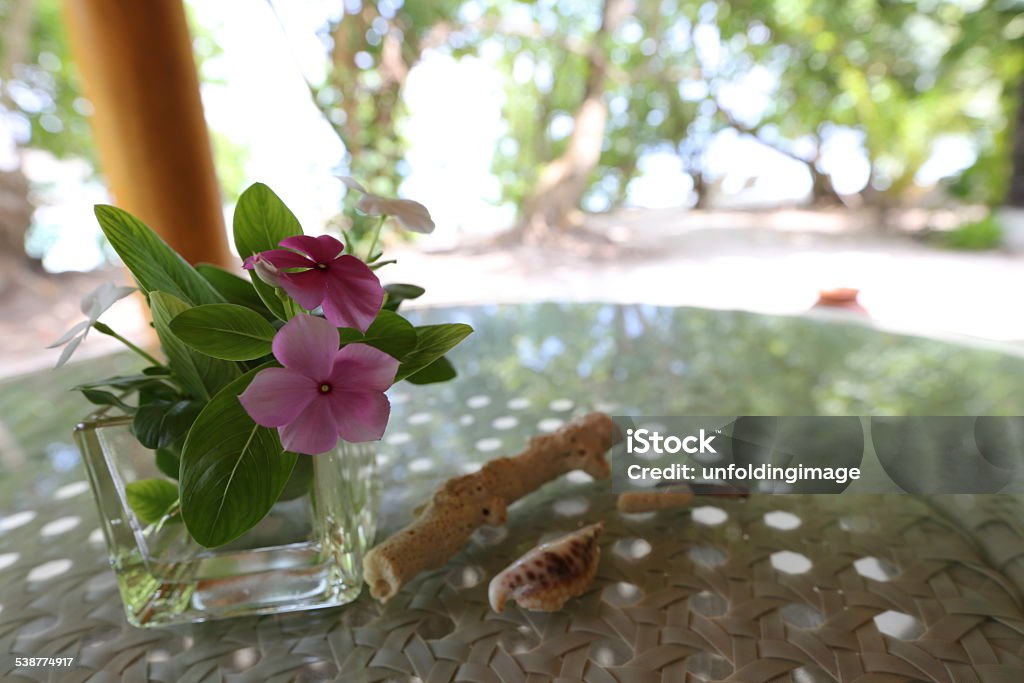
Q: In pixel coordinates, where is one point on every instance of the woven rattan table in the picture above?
(866, 588)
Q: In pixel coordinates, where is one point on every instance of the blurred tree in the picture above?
(40, 108)
(901, 74)
(554, 200)
(992, 42)
(372, 47)
(592, 88)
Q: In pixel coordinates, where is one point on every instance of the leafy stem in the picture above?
(103, 328)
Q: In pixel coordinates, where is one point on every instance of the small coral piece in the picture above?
(545, 578)
(649, 501)
(444, 524)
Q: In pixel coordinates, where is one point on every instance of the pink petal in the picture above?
(322, 249)
(360, 415)
(354, 294)
(360, 367)
(277, 395)
(372, 205)
(352, 183)
(412, 215)
(280, 258)
(307, 345)
(313, 431)
(308, 287)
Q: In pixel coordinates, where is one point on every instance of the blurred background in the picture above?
(722, 154)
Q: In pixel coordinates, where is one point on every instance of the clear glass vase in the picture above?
(307, 553)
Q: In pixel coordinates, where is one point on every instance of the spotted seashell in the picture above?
(543, 579)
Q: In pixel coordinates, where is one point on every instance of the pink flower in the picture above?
(315, 272)
(322, 393)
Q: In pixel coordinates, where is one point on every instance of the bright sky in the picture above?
(257, 97)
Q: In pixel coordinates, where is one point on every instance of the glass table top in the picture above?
(526, 369)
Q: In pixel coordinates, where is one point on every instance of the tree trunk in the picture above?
(15, 220)
(1015, 193)
(15, 207)
(555, 201)
(822, 191)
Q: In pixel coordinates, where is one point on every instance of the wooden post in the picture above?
(135, 59)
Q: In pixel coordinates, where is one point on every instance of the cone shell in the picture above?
(545, 578)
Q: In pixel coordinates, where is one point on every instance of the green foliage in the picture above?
(213, 328)
(389, 332)
(225, 331)
(370, 56)
(40, 88)
(432, 342)
(234, 289)
(151, 499)
(232, 470)
(261, 221)
(156, 267)
(200, 375)
(397, 293)
(976, 236)
(899, 74)
(441, 370)
(163, 423)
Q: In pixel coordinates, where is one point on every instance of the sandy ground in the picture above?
(771, 263)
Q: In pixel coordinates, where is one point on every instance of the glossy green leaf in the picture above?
(156, 267)
(199, 374)
(433, 341)
(234, 289)
(232, 470)
(100, 397)
(225, 331)
(159, 424)
(261, 221)
(397, 293)
(301, 480)
(150, 499)
(389, 332)
(441, 370)
(168, 462)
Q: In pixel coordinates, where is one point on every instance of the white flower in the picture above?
(412, 215)
(94, 304)
(266, 270)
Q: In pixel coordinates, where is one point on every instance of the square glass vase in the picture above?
(307, 553)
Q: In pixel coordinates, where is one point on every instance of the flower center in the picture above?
(321, 266)
(325, 388)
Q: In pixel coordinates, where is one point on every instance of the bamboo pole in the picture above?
(135, 59)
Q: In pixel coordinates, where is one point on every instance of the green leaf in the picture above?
(433, 341)
(121, 382)
(261, 221)
(162, 423)
(232, 470)
(225, 331)
(397, 293)
(100, 397)
(301, 480)
(150, 499)
(441, 370)
(155, 265)
(168, 462)
(199, 374)
(389, 332)
(234, 289)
